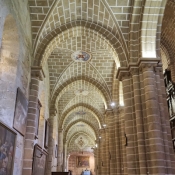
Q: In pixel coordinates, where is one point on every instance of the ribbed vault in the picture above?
(113, 32)
(73, 148)
(81, 107)
(88, 40)
(79, 128)
(168, 34)
(79, 113)
(64, 15)
(81, 123)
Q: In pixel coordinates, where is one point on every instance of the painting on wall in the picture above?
(7, 147)
(37, 119)
(46, 140)
(39, 161)
(81, 56)
(20, 117)
(82, 161)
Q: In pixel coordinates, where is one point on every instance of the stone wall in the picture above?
(15, 62)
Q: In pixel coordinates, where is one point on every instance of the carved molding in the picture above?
(158, 69)
(37, 71)
(147, 67)
(143, 64)
(123, 73)
(109, 112)
(134, 71)
(53, 112)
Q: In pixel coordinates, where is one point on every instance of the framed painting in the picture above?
(39, 161)
(7, 150)
(37, 119)
(82, 161)
(46, 140)
(20, 116)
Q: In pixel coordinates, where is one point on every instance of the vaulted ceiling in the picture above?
(168, 34)
(107, 34)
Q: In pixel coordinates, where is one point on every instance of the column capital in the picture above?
(158, 68)
(123, 73)
(53, 112)
(109, 112)
(134, 70)
(37, 71)
(60, 130)
(145, 64)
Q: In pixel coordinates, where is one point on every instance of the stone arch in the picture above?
(88, 115)
(135, 23)
(151, 28)
(113, 39)
(97, 113)
(88, 79)
(76, 134)
(75, 32)
(165, 58)
(9, 55)
(167, 34)
(77, 121)
(88, 129)
(95, 88)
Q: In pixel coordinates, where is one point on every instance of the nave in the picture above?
(87, 87)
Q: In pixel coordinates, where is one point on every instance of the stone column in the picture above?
(103, 169)
(95, 159)
(98, 165)
(111, 150)
(65, 156)
(51, 142)
(37, 74)
(129, 122)
(154, 133)
(139, 121)
(118, 141)
(121, 147)
(67, 162)
(107, 153)
(60, 150)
